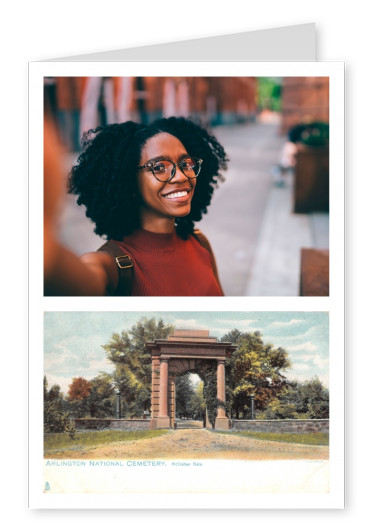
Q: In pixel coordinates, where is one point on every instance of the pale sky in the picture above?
(72, 340)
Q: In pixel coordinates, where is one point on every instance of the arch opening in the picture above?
(190, 405)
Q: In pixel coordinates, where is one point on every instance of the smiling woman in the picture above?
(144, 187)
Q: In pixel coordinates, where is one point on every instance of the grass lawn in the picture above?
(62, 441)
(297, 438)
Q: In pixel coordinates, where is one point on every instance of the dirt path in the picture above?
(197, 444)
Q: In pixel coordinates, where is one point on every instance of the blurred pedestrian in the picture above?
(287, 161)
(68, 100)
(91, 102)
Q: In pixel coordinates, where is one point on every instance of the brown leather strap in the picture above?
(204, 242)
(125, 268)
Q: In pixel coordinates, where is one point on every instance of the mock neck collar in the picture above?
(152, 241)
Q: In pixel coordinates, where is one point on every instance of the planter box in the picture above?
(314, 273)
(311, 187)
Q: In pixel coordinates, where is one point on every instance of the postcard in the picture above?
(179, 373)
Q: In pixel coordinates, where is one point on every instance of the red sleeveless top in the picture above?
(166, 265)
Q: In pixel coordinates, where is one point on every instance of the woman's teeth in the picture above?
(176, 194)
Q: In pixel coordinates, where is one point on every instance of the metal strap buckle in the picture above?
(124, 266)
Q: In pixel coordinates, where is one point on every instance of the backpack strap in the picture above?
(204, 242)
(125, 268)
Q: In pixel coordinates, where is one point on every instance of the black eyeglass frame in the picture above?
(150, 165)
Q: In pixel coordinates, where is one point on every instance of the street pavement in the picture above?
(255, 235)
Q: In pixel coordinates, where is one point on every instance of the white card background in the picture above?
(36, 35)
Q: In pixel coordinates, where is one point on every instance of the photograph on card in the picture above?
(186, 186)
(190, 390)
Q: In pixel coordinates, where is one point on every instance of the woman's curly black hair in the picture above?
(105, 176)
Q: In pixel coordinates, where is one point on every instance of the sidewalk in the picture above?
(276, 266)
(255, 235)
(237, 210)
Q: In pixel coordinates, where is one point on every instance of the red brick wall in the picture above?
(304, 99)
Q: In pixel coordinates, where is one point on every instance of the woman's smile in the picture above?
(179, 195)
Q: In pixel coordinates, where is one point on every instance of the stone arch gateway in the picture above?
(185, 350)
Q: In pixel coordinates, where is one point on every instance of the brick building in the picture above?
(216, 100)
(304, 99)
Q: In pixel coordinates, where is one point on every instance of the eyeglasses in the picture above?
(165, 170)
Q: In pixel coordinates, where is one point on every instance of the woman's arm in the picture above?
(68, 274)
(64, 272)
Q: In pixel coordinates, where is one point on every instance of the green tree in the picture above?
(184, 393)
(269, 93)
(197, 404)
(233, 336)
(91, 398)
(254, 368)
(101, 401)
(132, 375)
(280, 408)
(309, 399)
(312, 398)
(55, 418)
(210, 392)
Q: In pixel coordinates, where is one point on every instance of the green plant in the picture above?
(71, 429)
(315, 134)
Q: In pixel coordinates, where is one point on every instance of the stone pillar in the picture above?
(221, 421)
(154, 392)
(118, 405)
(172, 401)
(252, 407)
(163, 420)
